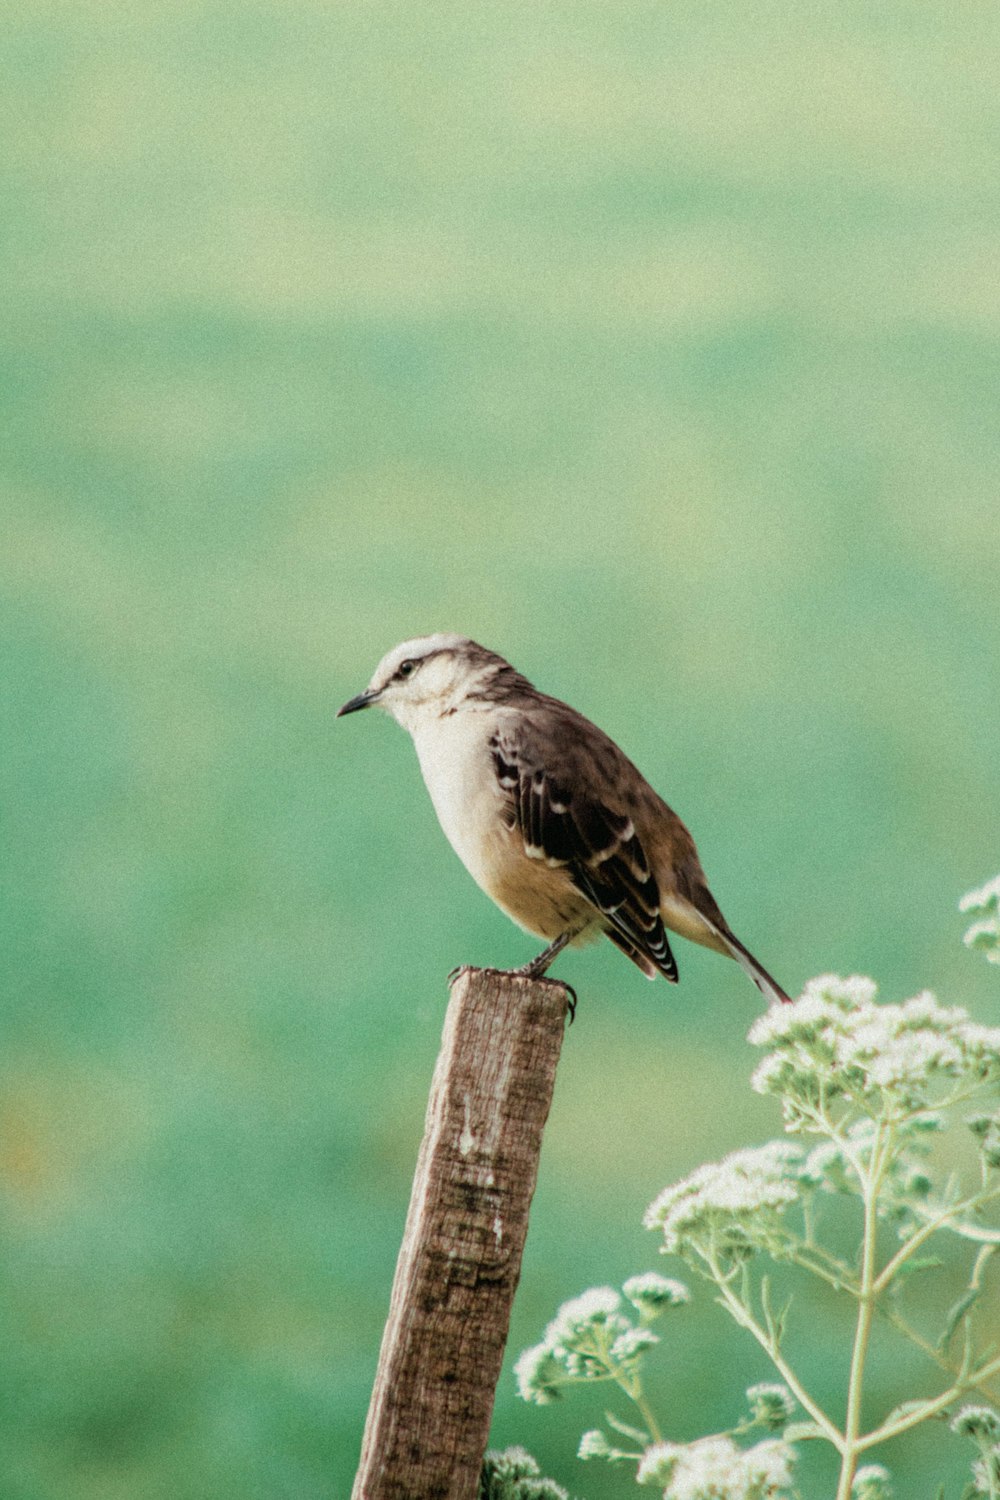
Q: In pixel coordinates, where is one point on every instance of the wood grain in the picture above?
(460, 1259)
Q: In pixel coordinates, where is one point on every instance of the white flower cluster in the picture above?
(597, 1307)
(984, 905)
(835, 1041)
(871, 1482)
(651, 1292)
(730, 1207)
(582, 1326)
(515, 1475)
(986, 1474)
(714, 1468)
(592, 1337)
(594, 1444)
(771, 1404)
(978, 1422)
(982, 1425)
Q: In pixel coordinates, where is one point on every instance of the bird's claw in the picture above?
(570, 998)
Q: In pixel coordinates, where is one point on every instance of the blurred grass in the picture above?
(655, 346)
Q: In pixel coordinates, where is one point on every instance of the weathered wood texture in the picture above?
(460, 1259)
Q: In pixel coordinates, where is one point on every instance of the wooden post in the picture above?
(460, 1259)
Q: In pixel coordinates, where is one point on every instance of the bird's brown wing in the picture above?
(598, 847)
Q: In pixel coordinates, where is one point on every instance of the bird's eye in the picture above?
(405, 668)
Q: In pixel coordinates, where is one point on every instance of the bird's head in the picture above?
(427, 677)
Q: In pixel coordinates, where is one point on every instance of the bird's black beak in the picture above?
(353, 704)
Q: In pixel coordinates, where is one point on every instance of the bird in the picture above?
(547, 814)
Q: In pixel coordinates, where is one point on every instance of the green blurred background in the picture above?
(653, 345)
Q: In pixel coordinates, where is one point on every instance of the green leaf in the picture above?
(635, 1433)
(800, 1432)
(919, 1263)
(904, 1409)
(956, 1314)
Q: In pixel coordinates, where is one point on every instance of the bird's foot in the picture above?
(524, 972)
(570, 993)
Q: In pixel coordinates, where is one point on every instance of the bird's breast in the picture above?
(455, 761)
(457, 766)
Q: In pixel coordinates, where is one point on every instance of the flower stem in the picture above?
(870, 1183)
(647, 1416)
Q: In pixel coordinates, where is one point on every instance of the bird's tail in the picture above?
(769, 988)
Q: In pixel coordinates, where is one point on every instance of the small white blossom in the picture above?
(658, 1463)
(768, 1466)
(893, 1047)
(705, 1470)
(986, 1472)
(981, 1041)
(772, 1074)
(984, 933)
(858, 990)
(514, 1471)
(890, 1061)
(714, 1468)
(985, 936)
(537, 1373)
(924, 1010)
(651, 1291)
(594, 1444)
(598, 1305)
(809, 1013)
(981, 934)
(985, 898)
(633, 1342)
(871, 1482)
(977, 1422)
(772, 1403)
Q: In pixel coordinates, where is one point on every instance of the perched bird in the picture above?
(546, 813)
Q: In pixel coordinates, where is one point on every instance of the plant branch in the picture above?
(927, 1409)
(902, 1326)
(936, 1221)
(870, 1184)
(745, 1318)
